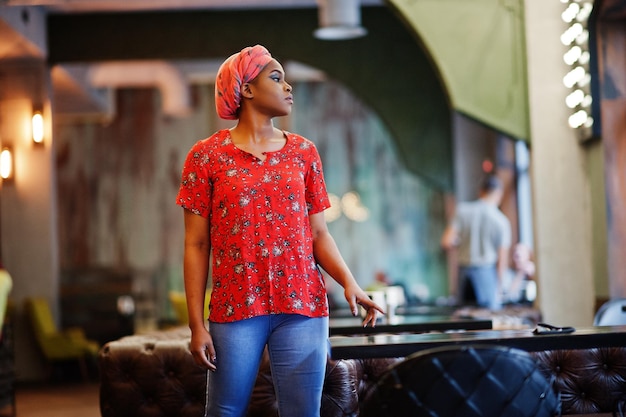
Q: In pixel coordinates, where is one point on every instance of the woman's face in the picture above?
(271, 94)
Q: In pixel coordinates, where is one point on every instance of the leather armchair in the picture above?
(464, 381)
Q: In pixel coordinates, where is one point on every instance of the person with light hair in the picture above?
(520, 287)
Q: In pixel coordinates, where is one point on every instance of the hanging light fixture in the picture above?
(339, 20)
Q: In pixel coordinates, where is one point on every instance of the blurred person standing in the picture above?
(481, 234)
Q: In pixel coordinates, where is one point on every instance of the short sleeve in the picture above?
(316, 195)
(195, 190)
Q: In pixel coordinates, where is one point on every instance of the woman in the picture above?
(254, 196)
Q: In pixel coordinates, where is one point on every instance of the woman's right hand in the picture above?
(202, 349)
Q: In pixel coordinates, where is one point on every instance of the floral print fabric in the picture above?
(260, 232)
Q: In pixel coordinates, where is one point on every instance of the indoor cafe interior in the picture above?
(410, 104)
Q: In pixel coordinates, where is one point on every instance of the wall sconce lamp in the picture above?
(37, 125)
(339, 20)
(7, 169)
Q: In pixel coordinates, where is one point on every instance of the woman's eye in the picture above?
(277, 79)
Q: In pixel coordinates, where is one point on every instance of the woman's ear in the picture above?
(246, 91)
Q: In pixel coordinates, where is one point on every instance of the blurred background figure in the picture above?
(481, 235)
(519, 286)
(381, 280)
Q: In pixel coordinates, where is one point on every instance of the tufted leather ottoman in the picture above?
(151, 376)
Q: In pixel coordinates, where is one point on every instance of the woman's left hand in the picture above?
(357, 297)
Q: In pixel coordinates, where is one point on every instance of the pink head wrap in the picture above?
(238, 69)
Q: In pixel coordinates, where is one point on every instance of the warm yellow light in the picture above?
(37, 126)
(6, 164)
(334, 211)
(353, 208)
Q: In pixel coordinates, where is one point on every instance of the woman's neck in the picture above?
(255, 131)
(259, 141)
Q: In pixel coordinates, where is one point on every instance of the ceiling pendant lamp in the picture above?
(339, 20)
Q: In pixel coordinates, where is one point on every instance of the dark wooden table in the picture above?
(402, 345)
(401, 324)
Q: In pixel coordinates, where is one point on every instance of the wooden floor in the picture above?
(58, 400)
(78, 400)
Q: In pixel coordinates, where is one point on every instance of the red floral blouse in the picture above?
(259, 226)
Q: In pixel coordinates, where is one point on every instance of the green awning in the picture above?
(478, 47)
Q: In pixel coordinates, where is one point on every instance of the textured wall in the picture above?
(406, 219)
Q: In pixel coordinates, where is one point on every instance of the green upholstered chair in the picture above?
(6, 283)
(59, 345)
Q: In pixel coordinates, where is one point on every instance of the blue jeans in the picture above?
(484, 280)
(298, 349)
